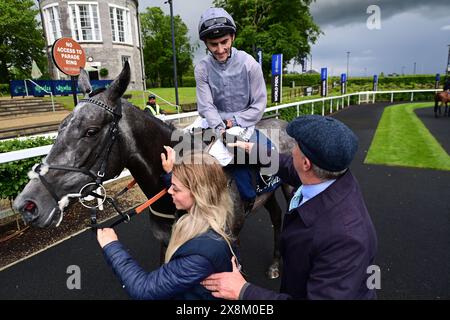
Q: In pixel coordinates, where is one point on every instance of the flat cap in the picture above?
(325, 141)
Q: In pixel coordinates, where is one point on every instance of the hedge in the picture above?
(400, 81)
(13, 175)
(4, 89)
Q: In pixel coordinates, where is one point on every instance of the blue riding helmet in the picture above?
(215, 23)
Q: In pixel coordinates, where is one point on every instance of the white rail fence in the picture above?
(43, 89)
(336, 103)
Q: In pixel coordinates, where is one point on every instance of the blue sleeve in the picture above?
(263, 151)
(287, 172)
(166, 282)
(166, 179)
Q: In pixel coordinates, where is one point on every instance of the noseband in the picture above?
(97, 178)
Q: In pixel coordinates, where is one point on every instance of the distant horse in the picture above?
(103, 135)
(441, 98)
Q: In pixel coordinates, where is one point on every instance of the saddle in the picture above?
(260, 183)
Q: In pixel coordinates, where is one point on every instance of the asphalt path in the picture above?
(410, 209)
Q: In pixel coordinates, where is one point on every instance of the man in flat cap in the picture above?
(328, 240)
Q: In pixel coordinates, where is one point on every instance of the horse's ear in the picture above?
(83, 82)
(119, 85)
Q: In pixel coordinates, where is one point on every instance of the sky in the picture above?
(389, 36)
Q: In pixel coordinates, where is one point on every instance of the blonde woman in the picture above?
(201, 243)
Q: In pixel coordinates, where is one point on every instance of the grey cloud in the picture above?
(343, 12)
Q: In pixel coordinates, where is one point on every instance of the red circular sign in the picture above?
(68, 56)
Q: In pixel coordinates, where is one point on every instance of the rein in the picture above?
(97, 178)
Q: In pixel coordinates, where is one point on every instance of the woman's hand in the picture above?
(167, 162)
(105, 236)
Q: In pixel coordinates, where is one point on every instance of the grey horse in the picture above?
(105, 134)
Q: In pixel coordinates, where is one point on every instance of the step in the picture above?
(25, 105)
(30, 108)
(30, 130)
(15, 115)
(21, 101)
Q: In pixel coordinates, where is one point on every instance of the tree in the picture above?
(21, 39)
(282, 26)
(157, 39)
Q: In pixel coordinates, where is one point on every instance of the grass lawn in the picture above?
(186, 95)
(402, 139)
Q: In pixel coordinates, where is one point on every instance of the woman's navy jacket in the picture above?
(180, 278)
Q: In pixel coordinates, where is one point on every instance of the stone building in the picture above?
(108, 31)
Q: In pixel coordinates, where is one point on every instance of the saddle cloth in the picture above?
(248, 179)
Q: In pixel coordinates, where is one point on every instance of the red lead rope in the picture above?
(127, 216)
(150, 201)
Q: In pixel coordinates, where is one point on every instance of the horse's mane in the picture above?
(165, 126)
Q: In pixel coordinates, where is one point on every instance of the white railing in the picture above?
(169, 103)
(340, 102)
(51, 94)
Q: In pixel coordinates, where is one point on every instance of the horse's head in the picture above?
(86, 150)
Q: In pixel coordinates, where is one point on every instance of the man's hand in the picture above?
(247, 146)
(105, 236)
(228, 123)
(226, 285)
(167, 163)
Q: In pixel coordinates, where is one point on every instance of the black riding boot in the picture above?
(248, 206)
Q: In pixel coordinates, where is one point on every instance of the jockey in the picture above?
(231, 92)
(447, 85)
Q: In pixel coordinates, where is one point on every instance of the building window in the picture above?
(53, 27)
(84, 21)
(120, 24)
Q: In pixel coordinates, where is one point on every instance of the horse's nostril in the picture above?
(30, 211)
(30, 206)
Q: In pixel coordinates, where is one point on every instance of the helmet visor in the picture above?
(213, 21)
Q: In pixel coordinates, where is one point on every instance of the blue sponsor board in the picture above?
(277, 69)
(323, 74)
(343, 83)
(324, 82)
(277, 62)
(62, 87)
(303, 61)
(43, 87)
(259, 54)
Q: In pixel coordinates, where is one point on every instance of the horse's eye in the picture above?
(91, 132)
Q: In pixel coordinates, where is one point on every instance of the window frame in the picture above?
(128, 36)
(78, 30)
(48, 26)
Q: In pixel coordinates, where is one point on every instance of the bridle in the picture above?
(97, 178)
